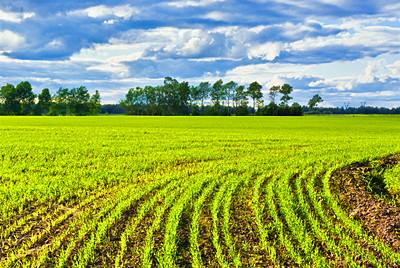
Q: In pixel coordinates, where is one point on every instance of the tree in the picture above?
(60, 102)
(295, 109)
(255, 93)
(184, 97)
(75, 101)
(230, 89)
(286, 90)
(8, 99)
(25, 97)
(171, 100)
(150, 96)
(240, 100)
(44, 102)
(314, 101)
(217, 92)
(194, 95)
(17, 100)
(134, 101)
(95, 103)
(273, 91)
(78, 101)
(240, 97)
(204, 92)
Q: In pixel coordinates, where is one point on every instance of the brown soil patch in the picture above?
(136, 242)
(333, 218)
(361, 194)
(244, 231)
(204, 241)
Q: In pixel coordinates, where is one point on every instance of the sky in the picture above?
(346, 51)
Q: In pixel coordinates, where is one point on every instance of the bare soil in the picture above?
(361, 192)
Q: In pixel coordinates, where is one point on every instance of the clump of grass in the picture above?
(392, 181)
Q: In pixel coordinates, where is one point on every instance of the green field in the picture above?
(179, 191)
(392, 181)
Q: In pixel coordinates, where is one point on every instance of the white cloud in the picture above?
(116, 68)
(15, 17)
(383, 93)
(139, 44)
(369, 36)
(394, 69)
(109, 52)
(110, 21)
(391, 8)
(274, 81)
(109, 58)
(267, 51)
(102, 11)
(343, 83)
(55, 43)
(192, 3)
(341, 75)
(10, 41)
(369, 74)
(218, 16)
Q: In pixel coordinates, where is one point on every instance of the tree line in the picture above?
(352, 110)
(180, 98)
(171, 98)
(20, 100)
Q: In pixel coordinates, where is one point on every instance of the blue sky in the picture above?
(347, 51)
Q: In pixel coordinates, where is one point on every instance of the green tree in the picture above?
(217, 92)
(255, 93)
(204, 92)
(194, 95)
(229, 90)
(44, 102)
(240, 97)
(195, 98)
(75, 101)
(150, 94)
(25, 97)
(314, 101)
(78, 103)
(134, 101)
(273, 92)
(175, 96)
(286, 90)
(60, 102)
(95, 103)
(8, 99)
(184, 98)
(240, 100)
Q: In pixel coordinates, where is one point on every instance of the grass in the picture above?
(392, 181)
(143, 191)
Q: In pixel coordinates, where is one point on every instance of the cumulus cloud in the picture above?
(380, 37)
(102, 11)
(159, 43)
(394, 69)
(15, 17)
(369, 74)
(10, 41)
(268, 51)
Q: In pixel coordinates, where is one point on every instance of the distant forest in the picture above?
(171, 98)
(20, 100)
(180, 98)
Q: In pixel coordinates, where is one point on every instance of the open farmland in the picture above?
(200, 191)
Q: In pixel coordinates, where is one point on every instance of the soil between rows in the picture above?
(371, 208)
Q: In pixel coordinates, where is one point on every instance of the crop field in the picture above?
(200, 191)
